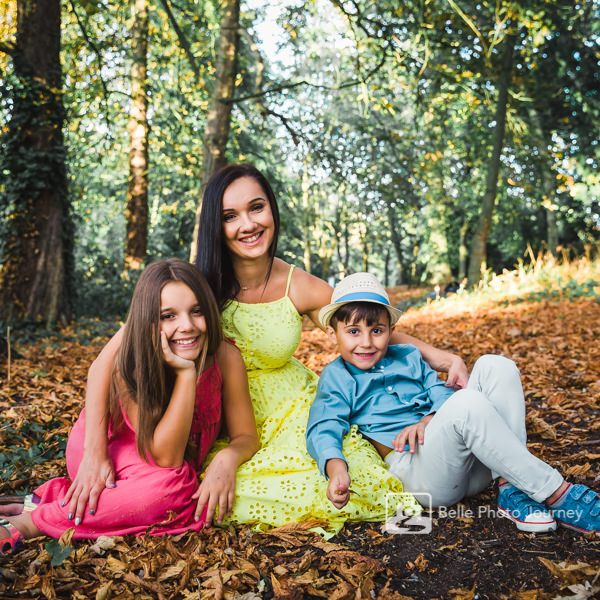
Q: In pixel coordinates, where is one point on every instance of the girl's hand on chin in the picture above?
(173, 360)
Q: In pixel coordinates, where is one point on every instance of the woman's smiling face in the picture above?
(248, 225)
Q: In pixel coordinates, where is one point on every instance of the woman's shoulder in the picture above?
(308, 292)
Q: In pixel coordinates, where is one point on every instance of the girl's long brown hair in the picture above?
(140, 370)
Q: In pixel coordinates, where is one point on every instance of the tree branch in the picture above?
(285, 123)
(182, 39)
(9, 49)
(98, 54)
(287, 86)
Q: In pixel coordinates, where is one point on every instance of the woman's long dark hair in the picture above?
(213, 257)
(139, 365)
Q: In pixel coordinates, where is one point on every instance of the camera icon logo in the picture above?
(405, 516)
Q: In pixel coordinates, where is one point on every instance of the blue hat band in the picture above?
(363, 296)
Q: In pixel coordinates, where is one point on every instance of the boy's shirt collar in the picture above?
(380, 366)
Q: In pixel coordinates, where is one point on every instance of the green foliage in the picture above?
(543, 279)
(58, 552)
(16, 459)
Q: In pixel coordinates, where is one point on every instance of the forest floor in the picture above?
(470, 554)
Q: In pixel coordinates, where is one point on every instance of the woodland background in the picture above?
(427, 141)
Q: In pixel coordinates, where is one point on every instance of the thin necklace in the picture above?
(244, 288)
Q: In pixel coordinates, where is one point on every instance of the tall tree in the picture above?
(36, 236)
(484, 225)
(136, 213)
(216, 133)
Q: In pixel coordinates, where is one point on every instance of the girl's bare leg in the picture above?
(24, 523)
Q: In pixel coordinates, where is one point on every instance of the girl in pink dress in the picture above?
(172, 378)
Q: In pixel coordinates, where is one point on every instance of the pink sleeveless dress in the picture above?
(145, 495)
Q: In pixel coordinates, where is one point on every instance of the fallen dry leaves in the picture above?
(556, 348)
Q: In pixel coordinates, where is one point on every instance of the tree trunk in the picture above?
(547, 179)
(484, 225)
(219, 111)
(364, 246)
(386, 264)
(36, 234)
(551, 229)
(462, 250)
(306, 218)
(397, 243)
(136, 213)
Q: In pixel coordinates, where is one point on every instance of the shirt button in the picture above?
(389, 388)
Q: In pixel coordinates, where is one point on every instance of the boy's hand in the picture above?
(338, 490)
(411, 435)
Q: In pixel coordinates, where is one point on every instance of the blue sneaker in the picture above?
(579, 510)
(527, 514)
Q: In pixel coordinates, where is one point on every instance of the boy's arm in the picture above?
(328, 420)
(437, 392)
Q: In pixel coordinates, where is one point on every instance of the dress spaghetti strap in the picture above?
(289, 279)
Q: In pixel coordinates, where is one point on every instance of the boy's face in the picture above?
(360, 344)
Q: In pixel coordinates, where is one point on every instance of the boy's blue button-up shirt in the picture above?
(398, 391)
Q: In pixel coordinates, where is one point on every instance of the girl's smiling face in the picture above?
(181, 320)
(248, 225)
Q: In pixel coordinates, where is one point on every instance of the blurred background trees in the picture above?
(383, 128)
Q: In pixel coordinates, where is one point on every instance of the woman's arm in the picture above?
(218, 486)
(309, 294)
(440, 360)
(95, 471)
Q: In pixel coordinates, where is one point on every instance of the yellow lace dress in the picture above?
(281, 483)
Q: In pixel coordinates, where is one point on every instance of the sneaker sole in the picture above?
(580, 529)
(528, 527)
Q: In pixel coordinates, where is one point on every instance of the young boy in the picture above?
(448, 444)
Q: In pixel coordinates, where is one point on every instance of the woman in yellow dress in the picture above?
(263, 299)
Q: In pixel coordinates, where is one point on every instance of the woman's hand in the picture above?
(173, 360)
(411, 435)
(93, 476)
(458, 375)
(217, 487)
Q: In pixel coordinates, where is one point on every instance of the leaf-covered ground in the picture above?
(469, 554)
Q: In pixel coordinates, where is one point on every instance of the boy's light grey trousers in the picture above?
(477, 434)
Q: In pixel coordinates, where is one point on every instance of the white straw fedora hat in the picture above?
(358, 287)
